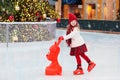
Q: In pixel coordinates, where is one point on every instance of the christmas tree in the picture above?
(6, 10)
(26, 10)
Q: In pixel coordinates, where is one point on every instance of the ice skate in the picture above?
(78, 71)
(91, 66)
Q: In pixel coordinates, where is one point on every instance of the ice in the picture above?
(27, 61)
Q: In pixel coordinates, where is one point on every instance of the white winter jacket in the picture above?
(76, 38)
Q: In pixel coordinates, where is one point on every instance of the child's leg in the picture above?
(91, 64)
(78, 59)
(79, 69)
(84, 56)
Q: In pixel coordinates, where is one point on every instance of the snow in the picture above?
(27, 61)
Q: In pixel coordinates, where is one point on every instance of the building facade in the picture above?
(90, 9)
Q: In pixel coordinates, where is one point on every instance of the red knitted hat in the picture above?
(72, 17)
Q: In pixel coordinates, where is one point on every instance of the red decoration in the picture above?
(58, 20)
(37, 14)
(11, 18)
(40, 18)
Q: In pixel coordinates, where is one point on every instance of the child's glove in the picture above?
(61, 38)
(68, 42)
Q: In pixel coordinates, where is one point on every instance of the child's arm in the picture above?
(70, 35)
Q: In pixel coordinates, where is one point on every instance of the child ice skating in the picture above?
(77, 45)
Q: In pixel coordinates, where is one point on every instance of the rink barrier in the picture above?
(27, 31)
(102, 25)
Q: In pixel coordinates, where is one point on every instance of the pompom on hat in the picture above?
(72, 17)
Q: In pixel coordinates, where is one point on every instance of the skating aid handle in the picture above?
(59, 41)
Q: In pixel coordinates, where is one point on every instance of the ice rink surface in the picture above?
(27, 61)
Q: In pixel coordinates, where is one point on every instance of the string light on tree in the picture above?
(44, 16)
(17, 8)
(0, 17)
(35, 0)
(3, 9)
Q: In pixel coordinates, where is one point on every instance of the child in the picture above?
(77, 45)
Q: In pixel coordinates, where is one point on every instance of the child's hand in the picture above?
(61, 38)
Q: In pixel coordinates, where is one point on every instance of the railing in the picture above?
(103, 25)
(26, 31)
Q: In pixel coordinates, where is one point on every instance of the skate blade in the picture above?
(78, 73)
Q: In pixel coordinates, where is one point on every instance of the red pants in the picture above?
(78, 59)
